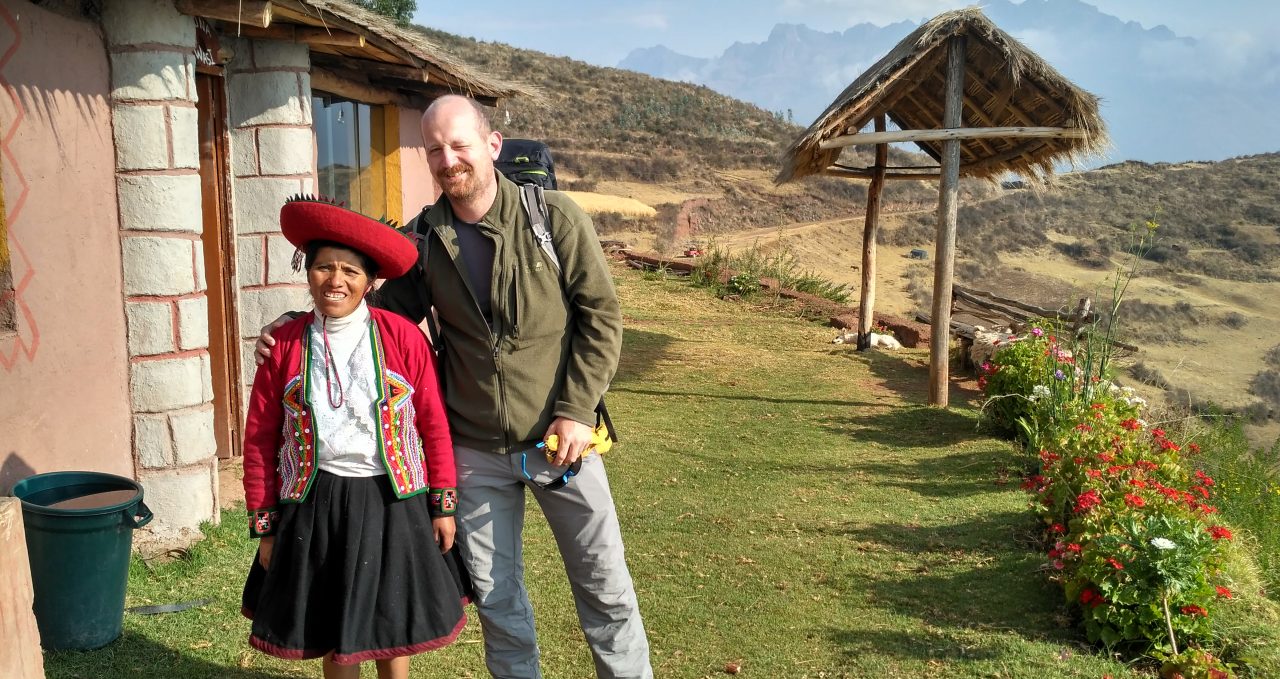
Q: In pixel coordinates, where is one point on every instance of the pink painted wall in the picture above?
(64, 401)
(418, 186)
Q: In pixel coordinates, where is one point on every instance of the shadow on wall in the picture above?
(13, 470)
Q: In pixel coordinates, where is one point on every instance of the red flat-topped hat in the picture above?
(304, 219)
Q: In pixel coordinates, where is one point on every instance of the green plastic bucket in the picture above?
(79, 528)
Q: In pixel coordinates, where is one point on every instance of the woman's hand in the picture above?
(444, 529)
(265, 546)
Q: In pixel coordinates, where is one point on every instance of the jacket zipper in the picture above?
(493, 340)
(515, 301)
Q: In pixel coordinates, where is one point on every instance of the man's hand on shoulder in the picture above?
(266, 341)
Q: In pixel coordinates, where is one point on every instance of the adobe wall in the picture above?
(419, 188)
(64, 381)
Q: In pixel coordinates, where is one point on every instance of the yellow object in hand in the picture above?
(600, 443)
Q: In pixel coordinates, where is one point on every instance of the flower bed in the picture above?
(1129, 528)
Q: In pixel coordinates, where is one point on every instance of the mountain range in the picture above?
(1165, 97)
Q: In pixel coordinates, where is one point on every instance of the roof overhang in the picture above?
(355, 49)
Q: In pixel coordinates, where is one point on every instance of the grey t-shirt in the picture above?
(477, 254)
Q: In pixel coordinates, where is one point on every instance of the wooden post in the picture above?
(21, 658)
(948, 199)
(867, 301)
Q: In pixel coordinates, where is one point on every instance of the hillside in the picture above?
(624, 133)
(1204, 311)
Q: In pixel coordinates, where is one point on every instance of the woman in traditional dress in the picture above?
(348, 466)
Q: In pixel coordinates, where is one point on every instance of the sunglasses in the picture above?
(554, 484)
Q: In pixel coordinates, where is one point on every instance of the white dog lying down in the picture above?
(877, 340)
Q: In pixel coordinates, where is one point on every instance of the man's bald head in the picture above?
(453, 105)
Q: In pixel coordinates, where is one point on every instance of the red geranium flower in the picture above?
(1083, 427)
(1220, 533)
(1115, 563)
(1106, 457)
(1158, 433)
(1134, 500)
(1087, 500)
(1223, 592)
(1194, 449)
(1131, 424)
(1057, 528)
(1091, 598)
(1204, 478)
(1138, 483)
(1166, 444)
(1094, 473)
(1194, 610)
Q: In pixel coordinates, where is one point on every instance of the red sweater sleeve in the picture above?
(262, 435)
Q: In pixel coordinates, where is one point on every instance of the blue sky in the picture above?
(602, 32)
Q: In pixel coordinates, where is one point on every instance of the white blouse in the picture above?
(347, 444)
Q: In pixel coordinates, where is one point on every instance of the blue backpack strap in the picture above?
(535, 206)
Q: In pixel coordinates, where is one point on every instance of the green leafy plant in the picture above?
(743, 284)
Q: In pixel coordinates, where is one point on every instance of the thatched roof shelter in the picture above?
(975, 100)
(351, 43)
(1005, 85)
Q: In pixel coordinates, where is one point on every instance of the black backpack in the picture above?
(526, 161)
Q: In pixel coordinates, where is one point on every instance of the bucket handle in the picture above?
(139, 517)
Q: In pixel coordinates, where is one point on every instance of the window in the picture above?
(351, 149)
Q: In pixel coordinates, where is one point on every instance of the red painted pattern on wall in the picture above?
(26, 343)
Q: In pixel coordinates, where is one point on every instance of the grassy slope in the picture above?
(787, 503)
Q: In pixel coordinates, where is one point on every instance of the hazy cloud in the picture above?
(647, 20)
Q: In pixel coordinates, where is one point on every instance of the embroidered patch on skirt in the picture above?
(355, 571)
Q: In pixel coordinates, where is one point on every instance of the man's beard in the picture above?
(465, 191)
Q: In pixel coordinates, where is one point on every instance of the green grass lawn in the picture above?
(788, 504)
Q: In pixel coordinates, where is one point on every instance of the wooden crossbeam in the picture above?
(959, 133)
(870, 174)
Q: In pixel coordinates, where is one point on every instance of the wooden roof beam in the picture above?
(369, 67)
(255, 13)
(959, 133)
(936, 123)
(304, 34)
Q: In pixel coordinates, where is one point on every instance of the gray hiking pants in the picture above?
(491, 498)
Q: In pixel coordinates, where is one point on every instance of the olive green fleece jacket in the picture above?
(554, 343)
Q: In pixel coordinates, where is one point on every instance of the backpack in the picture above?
(527, 161)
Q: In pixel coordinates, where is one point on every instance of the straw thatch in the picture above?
(1005, 85)
(389, 43)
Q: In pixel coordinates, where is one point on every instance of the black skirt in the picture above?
(355, 571)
